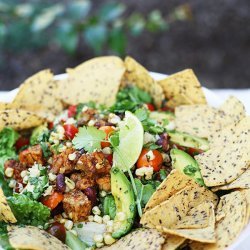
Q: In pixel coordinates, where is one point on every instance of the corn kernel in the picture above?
(106, 218)
(68, 144)
(98, 238)
(96, 210)
(108, 239)
(98, 219)
(69, 183)
(52, 177)
(107, 150)
(9, 172)
(90, 218)
(12, 183)
(110, 223)
(103, 193)
(24, 173)
(72, 156)
(99, 244)
(26, 179)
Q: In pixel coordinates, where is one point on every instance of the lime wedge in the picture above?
(131, 142)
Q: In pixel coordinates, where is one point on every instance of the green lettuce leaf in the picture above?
(4, 239)
(27, 211)
(8, 138)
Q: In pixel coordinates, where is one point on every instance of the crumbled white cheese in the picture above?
(34, 171)
(113, 118)
(48, 191)
(148, 138)
(170, 126)
(71, 120)
(150, 155)
(85, 108)
(147, 171)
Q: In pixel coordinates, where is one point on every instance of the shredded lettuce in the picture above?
(8, 138)
(27, 211)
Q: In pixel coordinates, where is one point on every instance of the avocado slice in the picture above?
(187, 140)
(186, 164)
(124, 197)
(37, 134)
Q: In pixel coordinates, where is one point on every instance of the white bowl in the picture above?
(243, 241)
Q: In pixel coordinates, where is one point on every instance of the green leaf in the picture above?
(8, 138)
(109, 207)
(67, 37)
(4, 238)
(144, 191)
(117, 40)
(136, 24)
(78, 9)
(190, 170)
(27, 211)
(47, 17)
(96, 36)
(114, 139)
(111, 11)
(4, 186)
(156, 22)
(142, 114)
(89, 138)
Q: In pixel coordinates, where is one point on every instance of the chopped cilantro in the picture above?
(190, 170)
(89, 138)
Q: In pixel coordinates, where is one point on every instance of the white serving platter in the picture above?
(243, 241)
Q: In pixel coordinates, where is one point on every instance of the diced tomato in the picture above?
(51, 201)
(150, 106)
(150, 158)
(50, 125)
(21, 142)
(194, 151)
(72, 111)
(109, 158)
(108, 130)
(70, 131)
(191, 151)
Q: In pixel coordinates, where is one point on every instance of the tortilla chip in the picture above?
(37, 94)
(96, 80)
(19, 119)
(222, 165)
(205, 121)
(234, 108)
(228, 229)
(5, 211)
(197, 217)
(136, 74)
(30, 237)
(172, 242)
(174, 182)
(206, 234)
(182, 88)
(140, 239)
(229, 134)
(243, 181)
(168, 213)
(5, 105)
(246, 193)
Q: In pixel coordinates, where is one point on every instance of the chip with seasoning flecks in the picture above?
(170, 212)
(223, 164)
(37, 94)
(140, 239)
(227, 229)
(229, 134)
(182, 88)
(200, 213)
(243, 181)
(33, 238)
(205, 121)
(172, 242)
(136, 74)
(5, 211)
(205, 234)
(246, 193)
(19, 119)
(96, 80)
(174, 182)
